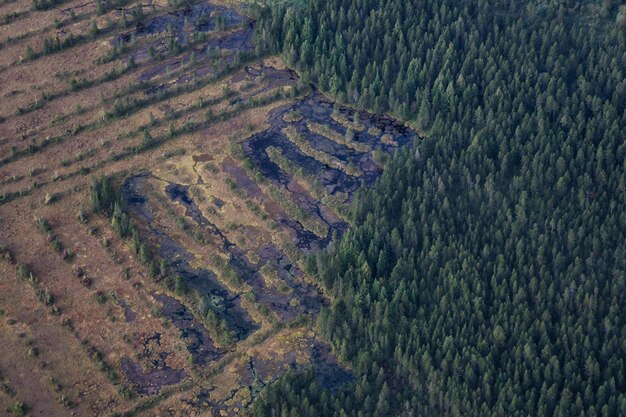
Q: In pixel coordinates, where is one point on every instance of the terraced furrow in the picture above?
(178, 176)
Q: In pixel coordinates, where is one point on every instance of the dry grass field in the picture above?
(161, 181)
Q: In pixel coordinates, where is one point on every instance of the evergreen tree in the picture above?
(486, 277)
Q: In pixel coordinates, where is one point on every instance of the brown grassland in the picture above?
(206, 301)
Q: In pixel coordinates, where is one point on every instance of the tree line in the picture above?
(486, 273)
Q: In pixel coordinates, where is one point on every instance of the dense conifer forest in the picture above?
(486, 271)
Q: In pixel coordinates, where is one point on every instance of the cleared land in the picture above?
(187, 296)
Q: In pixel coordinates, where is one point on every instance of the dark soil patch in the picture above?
(129, 314)
(201, 17)
(196, 336)
(151, 382)
(260, 373)
(159, 374)
(303, 238)
(317, 108)
(218, 203)
(226, 305)
(309, 300)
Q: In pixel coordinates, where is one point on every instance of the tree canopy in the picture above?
(488, 276)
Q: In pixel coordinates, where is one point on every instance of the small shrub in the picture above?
(65, 401)
(81, 216)
(125, 392)
(50, 198)
(101, 297)
(18, 409)
(43, 224)
(7, 389)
